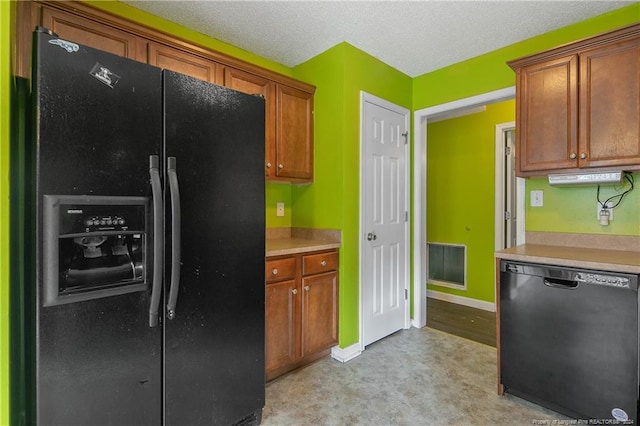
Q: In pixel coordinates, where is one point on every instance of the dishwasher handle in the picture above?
(562, 284)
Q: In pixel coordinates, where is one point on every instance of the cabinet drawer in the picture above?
(280, 269)
(318, 263)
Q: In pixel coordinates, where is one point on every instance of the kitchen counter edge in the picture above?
(588, 258)
(288, 246)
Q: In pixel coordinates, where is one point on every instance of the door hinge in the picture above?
(507, 151)
(507, 215)
(406, 137)
(406, 216)
(406, 294)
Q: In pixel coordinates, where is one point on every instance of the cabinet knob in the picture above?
(573, 156)
(323, 263)
(306, 288)
(268, 165)
(294, 291)
(274, 271)
(583, 155)
(280, 166)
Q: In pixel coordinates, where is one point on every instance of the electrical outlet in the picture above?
(537, 198)
(609, 208)
(279, 209)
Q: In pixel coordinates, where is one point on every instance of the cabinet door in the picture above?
(294, 135)
(255, 85)
(282, 313)
(610, 105)
(547, 113)
(185, 63)
(93, 34)
(319, 312)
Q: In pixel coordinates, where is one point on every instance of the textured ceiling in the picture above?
(414, 37)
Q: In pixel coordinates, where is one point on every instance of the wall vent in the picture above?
(447, 265)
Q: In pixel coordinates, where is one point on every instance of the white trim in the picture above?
(421, 117)
(461, 300)
(367, 97)
(346, 354)
(499, 184)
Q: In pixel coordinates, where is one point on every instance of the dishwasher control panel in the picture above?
(602, 279)
(621, 280)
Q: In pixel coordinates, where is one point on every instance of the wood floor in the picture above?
(470, 323)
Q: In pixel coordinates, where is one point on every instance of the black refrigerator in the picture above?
(150, 243)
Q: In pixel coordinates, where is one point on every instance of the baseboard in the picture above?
(461, 300)
(346, 354)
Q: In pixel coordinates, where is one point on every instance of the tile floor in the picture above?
(414, 377)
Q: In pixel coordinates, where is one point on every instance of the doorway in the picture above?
(421, 118)
(510, 204)
(384, 219)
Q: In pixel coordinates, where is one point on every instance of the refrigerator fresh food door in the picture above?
(97, 120)
(214, 335)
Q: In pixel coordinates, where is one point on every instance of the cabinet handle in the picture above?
(583, 155)
(306, 288)
(280, 166)
(268, 165)
(294, 291)
(323, 263)
(573, 156)
(274, 271)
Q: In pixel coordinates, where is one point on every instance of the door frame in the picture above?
(420, 120)
(367, 97)
(500, 179)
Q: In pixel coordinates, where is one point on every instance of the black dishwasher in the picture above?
(569, 340)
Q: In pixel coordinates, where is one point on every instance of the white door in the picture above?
(384, 244)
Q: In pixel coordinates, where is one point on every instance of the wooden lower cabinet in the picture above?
(301, 310)
(319, 312)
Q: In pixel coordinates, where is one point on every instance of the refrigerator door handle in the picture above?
(156, 192)
(175, 237)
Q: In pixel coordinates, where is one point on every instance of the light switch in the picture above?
(279, 209)
(537, 199)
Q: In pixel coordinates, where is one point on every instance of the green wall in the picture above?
(5, 89)
(574, 209)
(332, 201)
(461, 192)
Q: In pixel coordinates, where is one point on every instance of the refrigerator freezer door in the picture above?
(214, 346)
(97, 121)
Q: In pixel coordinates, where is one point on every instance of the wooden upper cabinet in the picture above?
(547, 115)
(289, 103)
(71, 27)
(180, 61)
(90, 33)
(578, 106)
(610, 105)
(293, 150)
(256, 85)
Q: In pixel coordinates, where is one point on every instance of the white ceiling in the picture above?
(414, 37)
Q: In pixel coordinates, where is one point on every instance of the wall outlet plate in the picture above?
(609, 208)
(280, 209)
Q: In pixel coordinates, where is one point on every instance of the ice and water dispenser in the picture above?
(94, 246)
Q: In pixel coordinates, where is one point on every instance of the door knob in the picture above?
(371, 236)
